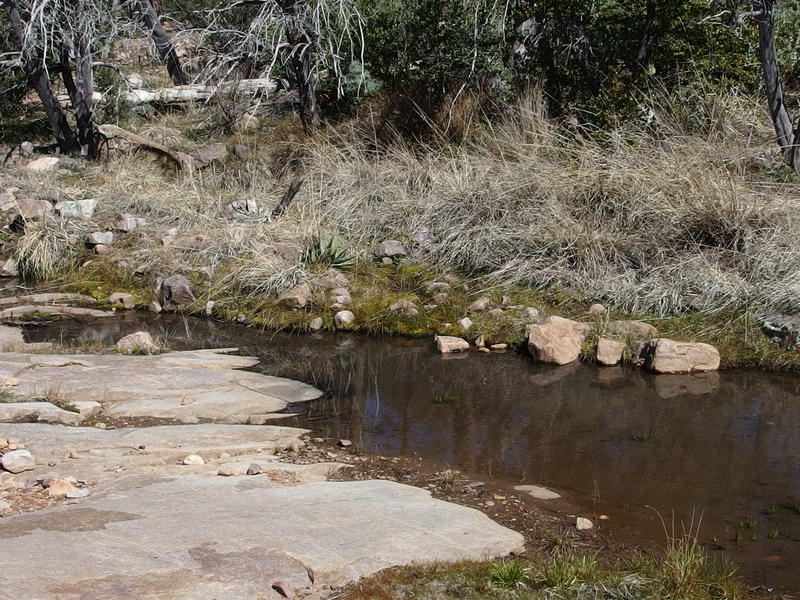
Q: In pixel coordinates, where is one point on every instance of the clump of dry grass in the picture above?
(651, 218)
(47, 250)
(682, 210)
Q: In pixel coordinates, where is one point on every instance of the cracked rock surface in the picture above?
(188, 387)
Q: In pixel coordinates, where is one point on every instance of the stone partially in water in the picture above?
(449, 343)
(176, 291)
(155, 385)
(668, 356)
(556, 340)
(538, 492)
(609, 352)
(126, 300)
(343, 319)
(140, 342)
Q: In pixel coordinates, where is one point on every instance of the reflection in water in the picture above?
(612, 440)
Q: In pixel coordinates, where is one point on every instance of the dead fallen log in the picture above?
(180, 94)
(183, 160)
(199, 93)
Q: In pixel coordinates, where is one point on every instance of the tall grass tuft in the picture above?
(46, 251)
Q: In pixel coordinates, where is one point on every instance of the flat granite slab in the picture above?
(199, 538)
(96, 455)
(189, 387)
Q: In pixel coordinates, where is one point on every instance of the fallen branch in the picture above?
(184, 161)
(291, 192)
(198, 93)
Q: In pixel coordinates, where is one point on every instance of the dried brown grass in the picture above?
(684, 209)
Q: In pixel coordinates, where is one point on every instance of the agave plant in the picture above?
(328, 252)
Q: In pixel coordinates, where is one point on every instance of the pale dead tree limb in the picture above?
(199, 93)
(162, 41)
(34, 67)
(183, 160)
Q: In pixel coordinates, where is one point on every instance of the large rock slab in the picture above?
(556, 340)
(15, 312)
(12, 340)
(202, 538)
(189, 387)
(99, 455)
(50, 298)
(668, 356)
(33, 412)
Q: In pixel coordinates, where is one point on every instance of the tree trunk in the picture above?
(66, 76)
(301, 48)
(37, 75)
(772, 77)
(84, 84)
(647, 39)
(163, 43)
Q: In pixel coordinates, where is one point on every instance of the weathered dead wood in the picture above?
(183, 160)
(199, 93)
(291, 192)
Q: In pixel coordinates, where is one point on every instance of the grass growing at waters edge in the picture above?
(682, 572)
(375, 287)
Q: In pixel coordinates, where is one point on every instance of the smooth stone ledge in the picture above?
(134, 539)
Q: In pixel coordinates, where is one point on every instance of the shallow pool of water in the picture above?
(719, 450)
